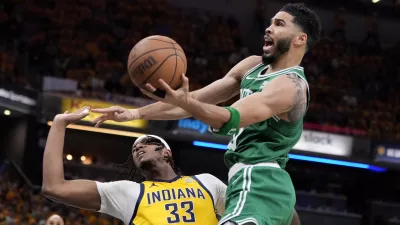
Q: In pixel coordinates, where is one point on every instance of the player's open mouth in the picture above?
(268, 44)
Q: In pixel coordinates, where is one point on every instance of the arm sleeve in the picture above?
(217, 189)
(118, 199)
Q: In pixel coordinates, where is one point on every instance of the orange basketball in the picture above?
(154, 58)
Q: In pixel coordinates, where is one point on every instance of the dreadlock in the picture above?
(128, 167)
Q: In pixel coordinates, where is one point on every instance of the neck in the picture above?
(160, 172)
(289, 59)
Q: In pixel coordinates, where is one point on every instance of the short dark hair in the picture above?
(307, 20)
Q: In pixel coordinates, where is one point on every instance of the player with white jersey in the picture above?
(165, 197)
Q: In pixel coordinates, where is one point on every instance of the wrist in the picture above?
(188, 102)
(58, 121)
(134, 114)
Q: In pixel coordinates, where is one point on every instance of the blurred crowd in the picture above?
(89, 41)
(352, 85)
(23, 205)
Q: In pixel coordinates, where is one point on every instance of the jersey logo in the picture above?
(153, 185)
(245, 92)
(188, 180)
(174, 194)
(263, 85)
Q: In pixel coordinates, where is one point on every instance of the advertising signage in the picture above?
(72, 104)
(18, 99)
(387, 152)
(325, 143)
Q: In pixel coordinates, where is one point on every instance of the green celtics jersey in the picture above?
(269, 140)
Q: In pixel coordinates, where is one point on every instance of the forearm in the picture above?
(78, 193)
(214, 116)
(162, 111)
(53, 168)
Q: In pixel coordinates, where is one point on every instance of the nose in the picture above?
(268, 30)
(136, 149)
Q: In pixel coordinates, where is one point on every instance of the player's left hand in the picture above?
(175, 97)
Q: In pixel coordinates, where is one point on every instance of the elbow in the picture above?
(48, 191)
(51, 192)
(217, 125)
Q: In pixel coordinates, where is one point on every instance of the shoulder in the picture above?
(209, 179)
(205, 176)
(289, 81)
(122, 186)
(249, 62)
(252, 60)
(240, 69)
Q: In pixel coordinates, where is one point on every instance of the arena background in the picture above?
(60, 55)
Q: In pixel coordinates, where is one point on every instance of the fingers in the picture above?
(165, 86)
(150, 87)
(107, 110)
(99, 123)
(85, 111)
(99, 119)
(150, 94)
(185, 80)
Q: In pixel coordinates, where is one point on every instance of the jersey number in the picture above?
(175, 217)
(233, 143)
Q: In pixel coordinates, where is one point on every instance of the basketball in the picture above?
(154, 58)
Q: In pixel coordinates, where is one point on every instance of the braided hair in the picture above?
(129, 170)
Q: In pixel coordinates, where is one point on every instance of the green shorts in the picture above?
(259, 194)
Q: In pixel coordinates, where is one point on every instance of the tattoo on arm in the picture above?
(299, 103)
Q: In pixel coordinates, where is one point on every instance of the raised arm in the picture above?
(109, 198)
(285, 96)
(78, 193)
(216, 92)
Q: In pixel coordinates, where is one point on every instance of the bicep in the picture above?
(227, 87)
(79, 193)
(218, 91)
(283, 95)
(110, 198)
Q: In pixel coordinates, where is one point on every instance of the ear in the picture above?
(167, 152)
(300, 40)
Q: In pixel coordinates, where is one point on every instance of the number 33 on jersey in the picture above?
(183, 200)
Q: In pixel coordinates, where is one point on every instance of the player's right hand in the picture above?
(115, 113)
(72, 117)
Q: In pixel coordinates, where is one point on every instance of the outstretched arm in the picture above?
(109, 198)
(216, 92)
(78, 193)
(284, 95)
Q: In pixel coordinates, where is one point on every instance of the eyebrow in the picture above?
(277, 19)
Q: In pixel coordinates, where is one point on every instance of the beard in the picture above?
(150, 164)
(282, 47)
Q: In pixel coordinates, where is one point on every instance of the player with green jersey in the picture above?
(264, 124)
(271, 139)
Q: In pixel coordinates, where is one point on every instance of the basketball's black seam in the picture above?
(176, 63)
(166, 58)
(182, 61)
(129, 66)
(155, 39)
